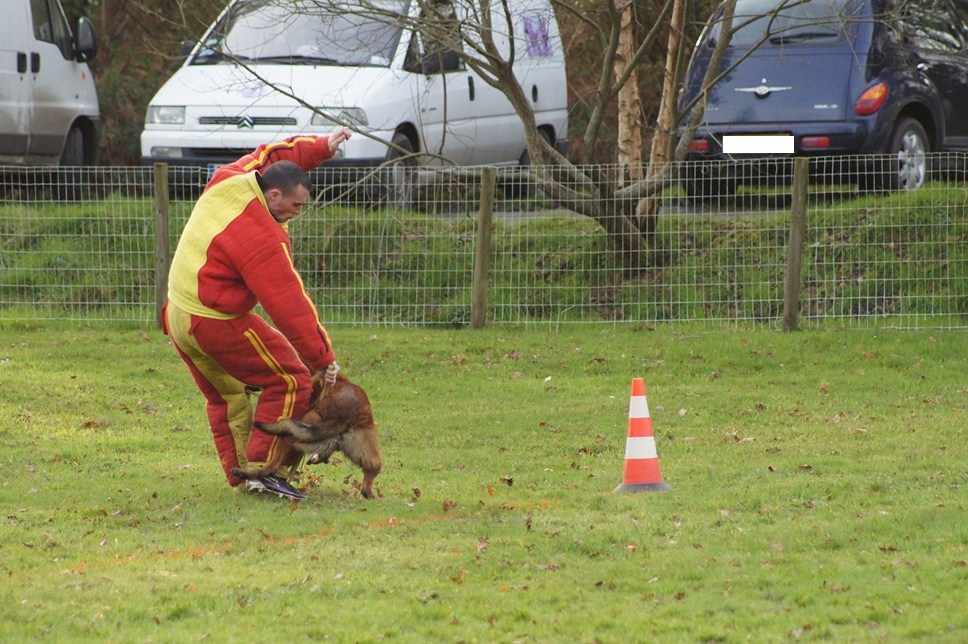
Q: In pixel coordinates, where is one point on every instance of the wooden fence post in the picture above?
(482, 251)
(798, 228)
(162, 244)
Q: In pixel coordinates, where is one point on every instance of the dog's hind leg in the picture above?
(363, 449)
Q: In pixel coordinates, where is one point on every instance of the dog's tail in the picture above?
(301, 431)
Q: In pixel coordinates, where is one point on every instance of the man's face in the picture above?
(285, 206)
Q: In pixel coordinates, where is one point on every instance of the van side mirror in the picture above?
(186, 48)
(85, 41)
(440, 62)
(451, 61)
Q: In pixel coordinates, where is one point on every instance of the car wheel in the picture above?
(708, 181)
(397, 175)
(904, 165)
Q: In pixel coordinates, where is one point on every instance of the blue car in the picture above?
(836, 80)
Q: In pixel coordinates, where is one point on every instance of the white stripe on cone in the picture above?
(640, 447)
(638, 407)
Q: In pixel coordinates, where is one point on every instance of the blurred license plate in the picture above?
(758, 144)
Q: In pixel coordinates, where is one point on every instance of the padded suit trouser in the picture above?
(225, 356)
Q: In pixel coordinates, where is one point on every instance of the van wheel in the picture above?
(69, 180)
(396, 176)
(525, 159)
(904, 165)
(520, 187)
(73, 154)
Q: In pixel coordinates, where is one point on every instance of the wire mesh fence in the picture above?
(712, 246)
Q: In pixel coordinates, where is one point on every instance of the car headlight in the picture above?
(165, 115)
(352, 116)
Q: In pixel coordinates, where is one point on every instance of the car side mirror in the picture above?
(85, 42)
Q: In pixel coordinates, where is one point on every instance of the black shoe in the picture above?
(281, 487)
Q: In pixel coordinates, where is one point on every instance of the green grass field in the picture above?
(818, 493)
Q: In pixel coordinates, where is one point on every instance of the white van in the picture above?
(49, 113)
(269, 69)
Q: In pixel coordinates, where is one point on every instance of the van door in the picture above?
(446, 93)
(55, 85)
(15, 86)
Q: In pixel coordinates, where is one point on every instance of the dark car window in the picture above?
(931, 26)
(780, 22)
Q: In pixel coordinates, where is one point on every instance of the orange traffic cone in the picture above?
(641, 459)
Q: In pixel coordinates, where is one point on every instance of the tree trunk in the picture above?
(647, 211)
(629, 104)
(666, 122)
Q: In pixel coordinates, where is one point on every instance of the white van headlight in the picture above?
(350, 115)
(172, 153)
(165, 115)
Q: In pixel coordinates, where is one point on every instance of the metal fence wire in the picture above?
(91, 245)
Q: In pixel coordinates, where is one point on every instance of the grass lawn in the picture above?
(818, 493)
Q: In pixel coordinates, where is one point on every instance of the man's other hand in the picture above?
(337, 138)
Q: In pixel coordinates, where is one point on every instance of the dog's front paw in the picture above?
(239, 472)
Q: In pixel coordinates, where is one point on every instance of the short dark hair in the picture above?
(284, 175)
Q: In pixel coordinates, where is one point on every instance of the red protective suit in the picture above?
(231, 256)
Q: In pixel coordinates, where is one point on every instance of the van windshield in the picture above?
(309, 32)
(779, 22)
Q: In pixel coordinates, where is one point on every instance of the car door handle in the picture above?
(470, 87)
(21, 62)
(34, 63)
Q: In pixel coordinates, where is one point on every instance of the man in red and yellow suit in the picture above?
(233, 254)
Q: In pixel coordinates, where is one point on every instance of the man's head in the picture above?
(286, 189)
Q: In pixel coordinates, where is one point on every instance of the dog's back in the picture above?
(342, 402)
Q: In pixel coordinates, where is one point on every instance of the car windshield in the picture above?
(312, 32)
(781, 22)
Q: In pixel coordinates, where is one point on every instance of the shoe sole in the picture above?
(281, 488)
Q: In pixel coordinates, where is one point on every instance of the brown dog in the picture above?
(339, 418)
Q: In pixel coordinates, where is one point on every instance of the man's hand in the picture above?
(330, 376)
(337, 137)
